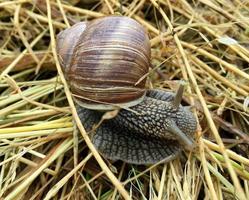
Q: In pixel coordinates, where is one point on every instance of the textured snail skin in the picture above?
(141, 138)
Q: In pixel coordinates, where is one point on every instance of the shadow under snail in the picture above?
(105, 62)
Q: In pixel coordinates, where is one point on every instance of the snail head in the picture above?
(181, 123)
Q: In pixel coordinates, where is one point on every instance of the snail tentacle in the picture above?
(183, 138)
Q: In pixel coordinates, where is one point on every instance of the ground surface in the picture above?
(42, 155)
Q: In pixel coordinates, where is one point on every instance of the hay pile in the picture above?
(44, 156)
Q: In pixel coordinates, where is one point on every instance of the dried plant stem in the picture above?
(59, 184)
(19, 57)
(33, 134)
(75, 147)
(119, 178)
(140, 4)
(57, 151)
(162, 183)
(31, 99)
(224, 13)
(109, 6)
(63, 13)
(217, 76)
(82, 11)
(19, 30)
(244, 53)
(229, 66)
(8, 3)
(177, 182)
(84, 185)
(231, 154)
(33, 164)
(139, 19)
(221, 178)
(44, 19)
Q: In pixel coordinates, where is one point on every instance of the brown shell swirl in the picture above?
(110, 57)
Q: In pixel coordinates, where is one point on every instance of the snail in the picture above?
(105, 62)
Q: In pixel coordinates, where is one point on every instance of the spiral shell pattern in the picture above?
(109, 63)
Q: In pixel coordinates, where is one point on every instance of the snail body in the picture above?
(105, 67)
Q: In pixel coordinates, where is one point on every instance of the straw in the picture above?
(46, 152)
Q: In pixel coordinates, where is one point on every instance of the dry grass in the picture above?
(44, 156)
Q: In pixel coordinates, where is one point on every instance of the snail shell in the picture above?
(106, 61)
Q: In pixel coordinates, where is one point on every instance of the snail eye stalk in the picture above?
(180, 135)
(179, 93)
